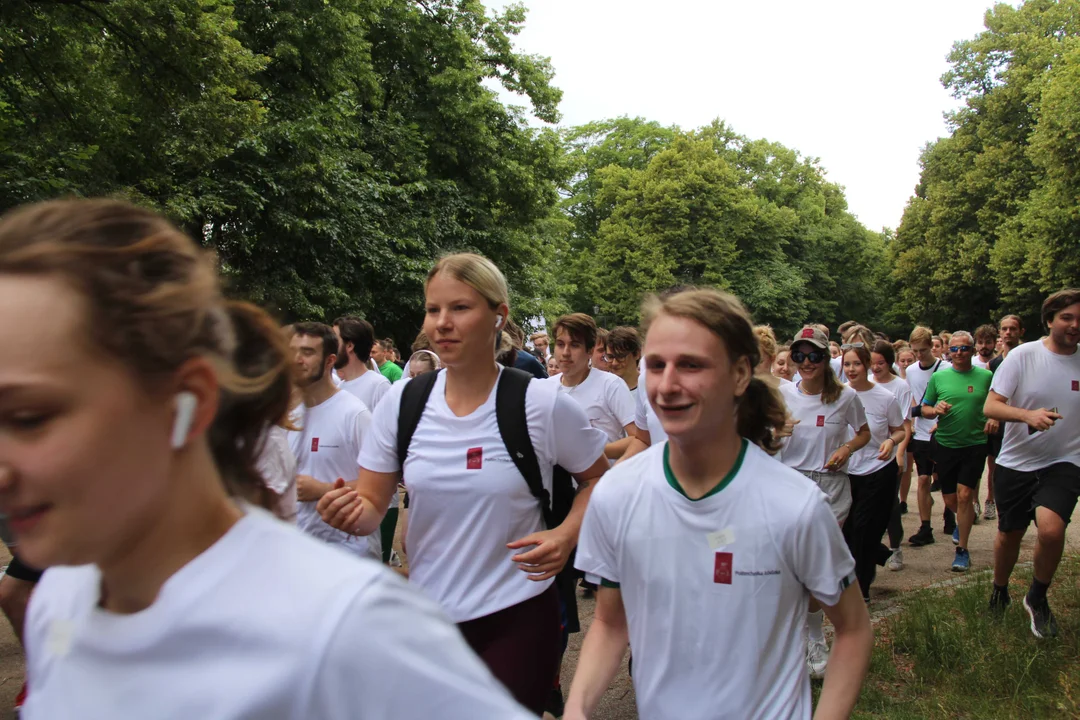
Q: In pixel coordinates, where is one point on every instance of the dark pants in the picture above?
(521, 646)
(872, 499)
(386, 533)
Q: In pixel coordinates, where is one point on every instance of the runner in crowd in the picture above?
(881, 364)
(330, 427)
(540, 342)
(1011, 333)
(476, 538)
(356, 338)
(936, 347)
(128, 445)
(382, 352)
(604, 397)
(599, 350)
(624, 356)
(834, 350)
(828, 427)
(1036, 391)
(922, 447)
(678, 532)
(516, 356)
(986, 337)
(552, 366)
(873, 470)
(423, 361)
(768, 351)
(783, 368)
(905, 358)
(955, 397)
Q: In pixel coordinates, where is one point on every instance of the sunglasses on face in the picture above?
(851, 346)
(814, 356)
(960, 348)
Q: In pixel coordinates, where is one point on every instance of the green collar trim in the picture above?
(673, 482)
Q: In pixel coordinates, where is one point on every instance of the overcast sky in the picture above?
(855, 83)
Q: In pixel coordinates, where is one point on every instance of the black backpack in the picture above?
(514, 429)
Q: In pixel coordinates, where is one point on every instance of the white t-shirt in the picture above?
(267, 623)
(369, 388)
(467, 499)
(326, 445)
(978, 362)
(882, 410)
(822, 428)
(644, 417)
(606, 400)
(277, 465)
(716, 589)
(1032, 377)
(901, 391)
(917, 380)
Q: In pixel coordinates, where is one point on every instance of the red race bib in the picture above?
(971, 389)
(821, 421)
(722, 569)
(474, 458)
(314, 444)
(1076, 385)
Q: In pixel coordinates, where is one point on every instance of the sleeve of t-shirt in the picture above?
(820, 557)
(361, 429)
(930, 396)
(856, 414)
(621, 402)
(1007, 376)
(379, 451)
(904, 396)
(596, 541)
(641, 416)
(378, 393)
(414, 663)
(577, 443)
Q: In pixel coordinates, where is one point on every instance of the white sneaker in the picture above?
(978, 512)
(896, 560)
(991, 511)
(817, 658)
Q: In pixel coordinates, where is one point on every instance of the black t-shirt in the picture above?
(995, 363)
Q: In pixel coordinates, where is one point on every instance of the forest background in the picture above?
(330, 151)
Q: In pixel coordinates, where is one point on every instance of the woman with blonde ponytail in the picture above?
(710, 520)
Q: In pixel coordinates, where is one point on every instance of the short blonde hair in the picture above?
(921, 334)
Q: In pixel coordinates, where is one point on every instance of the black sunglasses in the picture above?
(960, 348)
(814, 356)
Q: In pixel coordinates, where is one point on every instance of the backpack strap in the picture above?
(413, 401)
(514, 429)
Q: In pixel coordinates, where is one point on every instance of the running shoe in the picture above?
(956, 536)
(925, 536)
(1043, 624)
(978, 512)
(990, 511)
(896, 560)
(962, 561)
(935, 484)
(950, 521)
(817, 658)
(999, 601)
(903, 508)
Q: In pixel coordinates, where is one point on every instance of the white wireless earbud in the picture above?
(498, 321)
(185, 413)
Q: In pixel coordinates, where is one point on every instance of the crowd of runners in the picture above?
(216, 497)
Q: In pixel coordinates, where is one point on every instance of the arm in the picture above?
(358, 509)
(845, 451)
(640, 443)
(553, 547)
(601, 653)
(933, 411)
(997, 408)
(897, 434)
(615, 450)
(850, 656)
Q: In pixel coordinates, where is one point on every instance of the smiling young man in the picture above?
(955, 397)
(331, 428)
(382, 352)
(1036, 393)
(918, 378)
(710, 549)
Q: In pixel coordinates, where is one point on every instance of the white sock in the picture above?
(813, 622)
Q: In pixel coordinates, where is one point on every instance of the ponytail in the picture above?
(832, 390)
(761, 414)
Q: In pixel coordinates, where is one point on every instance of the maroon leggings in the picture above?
(521, 646)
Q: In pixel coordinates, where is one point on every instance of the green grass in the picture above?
(945, 656)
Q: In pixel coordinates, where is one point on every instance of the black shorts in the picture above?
(959, 466)
(20, 571)
(993, 444)
(922, 451)
(1018, 494)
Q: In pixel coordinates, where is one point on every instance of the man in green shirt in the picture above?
(955, 396)
(382, 353)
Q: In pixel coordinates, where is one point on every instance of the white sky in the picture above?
(855, 83)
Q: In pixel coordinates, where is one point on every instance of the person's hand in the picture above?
(991, 427)
(574, 715)
(942, 408)
(838, 458)
(308, 489)
(341, 508)
(547, 558)
(1041, 419)
(789, 426)
(885, 451)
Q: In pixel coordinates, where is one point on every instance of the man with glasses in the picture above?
(623, 356)
(955, 397)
